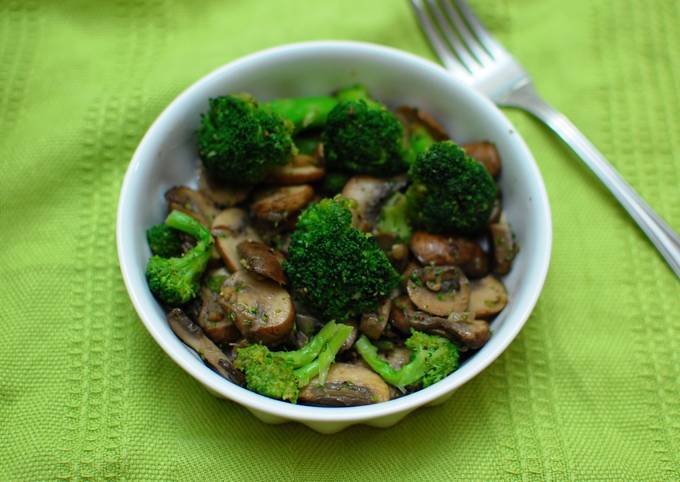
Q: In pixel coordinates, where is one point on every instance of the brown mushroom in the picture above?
(486, 154)
(262, 310)
(280, 204)
(193, 203)
(400, 305)
(496, 210)
(439, 290)
(213, 319)
(347, 385)
(369, 193)
(262, 260)
(230, 227)
(398, 356)
(504, 247)
(221, 194)
(349, 341)
(412, 117)
(461, 328)
(373, 323)
(302, 168)
(192, 334)
(440, 250)
(488, 297)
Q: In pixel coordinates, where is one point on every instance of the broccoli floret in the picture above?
(176, 280)
(164, 241)
(364, 137)
(432, 359)
(393, 218)
(335, 269)
(280, 375)
(304, 112)
(239, 141)
(451, 192)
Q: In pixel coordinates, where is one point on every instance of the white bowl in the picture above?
(167, 157)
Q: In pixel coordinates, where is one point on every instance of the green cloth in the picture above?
(590, 388)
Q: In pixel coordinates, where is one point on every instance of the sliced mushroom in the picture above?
(439, 290)
(261, 309)
(400, 306)
(439, 250)
(486, 154)
(221, 194)
(496, 211)
(262, 260)
(230, 228)
(347, 385)
(193, 203)
(369, 193)
(280, 204)
(373, 323)
(488, 297)
(504, 247)
(398, 356)
(461, 328)
(214, 320)
(192, 334)
(302, 168)
(411, 116)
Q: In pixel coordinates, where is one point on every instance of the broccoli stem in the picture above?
(304, 112)
(322, 364)
(353, 92)
(311, 350)
(187, 224)
(408, 374)
(328, 355)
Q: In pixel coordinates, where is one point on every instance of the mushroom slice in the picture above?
(504, 247)
(439, 250)
(461, 328)
(373, 323)
(369, 193)
(192, 334)
(221, 194)
(261, 309)
(347, 385)
(439, 290)
(486, 154)
(276, 205)
(260, 259)
(488, 297)
(302, 168)
(398, 356)
(193, 203)
(496, 210)
(214, 320)
(230, 227)
(411, 117)
(349, 341)
(401, 305)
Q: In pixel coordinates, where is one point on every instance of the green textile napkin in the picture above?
(588, 391)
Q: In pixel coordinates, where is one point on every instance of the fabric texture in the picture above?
(589, 389)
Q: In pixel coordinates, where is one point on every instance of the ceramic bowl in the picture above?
(167, 156)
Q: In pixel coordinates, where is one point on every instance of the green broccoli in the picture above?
(176, 280)
(306, 144)
(450, 191)
(164, 241)
(280, 375)
(362, 136)
(432, 359)
(239, 141)
(335, 269)
(304, 112)
(419, 141)
(393, 218)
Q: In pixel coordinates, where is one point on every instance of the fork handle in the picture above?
(659, 233)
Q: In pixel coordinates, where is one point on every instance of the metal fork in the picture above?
(470, 52)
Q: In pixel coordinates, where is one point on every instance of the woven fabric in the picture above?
(589, 389)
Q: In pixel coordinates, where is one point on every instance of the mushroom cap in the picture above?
(439, 290)
(346, 385)
(262, 310)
